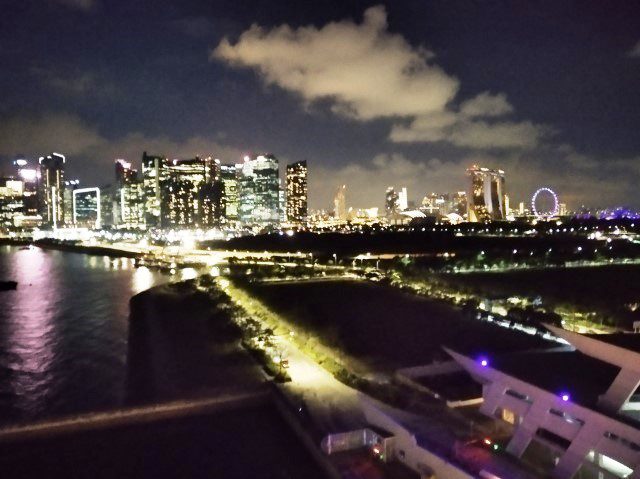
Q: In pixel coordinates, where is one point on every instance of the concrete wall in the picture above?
(407, 451)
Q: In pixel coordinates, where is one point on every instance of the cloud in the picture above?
(45, 133)
(486, 105)
(484, 135)
(635, 51)
(85, 5)
(74, 83)
(476, 125)
(89, 153)
(365, 71)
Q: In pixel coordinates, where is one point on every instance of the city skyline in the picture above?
(493, 85)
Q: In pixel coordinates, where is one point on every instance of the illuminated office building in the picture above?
(87, 212)
(259, 187)
(51, 189)
(391, 201)
(486, 198)
(29, 177)
(177, 204)
(458, 203)
(11, 201)
(128, 197)
(403, 199)
(154, 172)
(211, 199)
(229, 176)
(187, 184)
(179, 201)
(296, 197)
(67, 199)
(340, 204)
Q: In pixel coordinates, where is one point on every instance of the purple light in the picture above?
(484, 362)
(565, 397)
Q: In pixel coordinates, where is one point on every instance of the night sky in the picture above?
(371, 94)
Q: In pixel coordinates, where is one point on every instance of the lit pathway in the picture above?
(333, 406)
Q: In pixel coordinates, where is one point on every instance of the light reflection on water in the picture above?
(63, 332)
(143, 279)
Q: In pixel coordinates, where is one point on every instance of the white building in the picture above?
(576, 410)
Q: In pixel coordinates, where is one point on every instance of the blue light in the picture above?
(484, 362)
(565, 397)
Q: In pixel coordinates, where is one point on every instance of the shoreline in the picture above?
(73, 248)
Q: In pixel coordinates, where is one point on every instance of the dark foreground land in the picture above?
(246, 443)
(386, 327)
(182, 344)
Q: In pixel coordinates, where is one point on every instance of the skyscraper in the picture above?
(29, 177)
(87, 211)
(391, 201)
(128, 198)
(340, 204)
(229, 177)
(51, 189)
(403, 199)
(296, 197)
(259, 191)
(180, 192)
(212, 204)
(153, 173)
(11, 201)
(486, 198)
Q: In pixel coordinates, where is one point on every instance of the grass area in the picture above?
(383, 327)
(259, 322)
(610, 291)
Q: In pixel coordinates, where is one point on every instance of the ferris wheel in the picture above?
(544, 203)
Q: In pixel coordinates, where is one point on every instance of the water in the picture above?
(63, 332)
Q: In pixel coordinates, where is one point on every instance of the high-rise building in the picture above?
(212, 204)
(11, 201)
(282, 202)
(391, 201)
(180, 189)
(87, 212)
(29, 177)
(458, 203)
(340, 204)
(486, 198)
(562, 209)
(67, 199)
(434, 204)
(403, 199)
(229, 177)
(296, 197)
(187, 184)
(51, 189)
(154, 172)
(124, 172)
(259, 191)
(127, 198)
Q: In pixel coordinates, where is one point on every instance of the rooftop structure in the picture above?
(578, 406)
